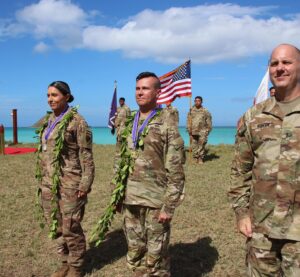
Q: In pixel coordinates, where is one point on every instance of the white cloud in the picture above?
(41, 47)
(58, 20)
(205, 33)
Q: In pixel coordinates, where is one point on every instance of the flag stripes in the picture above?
(176, 83)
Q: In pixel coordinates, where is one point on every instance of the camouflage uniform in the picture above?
(265, 187)
(156, 184)
(75, 175)
(172, 115)
(121, 115)
(199, 125)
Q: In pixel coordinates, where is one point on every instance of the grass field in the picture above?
(204, 241)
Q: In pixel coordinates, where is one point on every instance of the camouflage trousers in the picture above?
(71, 245)
(272, 257)
(198, 146)
(147, 241)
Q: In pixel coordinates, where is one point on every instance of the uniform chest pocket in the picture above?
(264, 132)
(295, 135)
(70, 136)
(154, 134)
(154, 129)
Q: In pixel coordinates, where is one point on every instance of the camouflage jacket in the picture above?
(77, 146)
(265, 174)
(157, 179)
(171, 115)
(121, 115)
(199, 122)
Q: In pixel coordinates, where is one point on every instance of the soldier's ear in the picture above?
(157, 93)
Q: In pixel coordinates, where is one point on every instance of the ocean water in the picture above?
(102, 135)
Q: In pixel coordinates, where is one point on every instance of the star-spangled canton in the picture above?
(176, 83)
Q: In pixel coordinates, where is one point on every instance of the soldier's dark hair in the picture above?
(64, 88)
(122, 98)
(199, 97)
(271, 88)
(148, 74)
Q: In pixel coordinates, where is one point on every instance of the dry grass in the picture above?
(203, 241)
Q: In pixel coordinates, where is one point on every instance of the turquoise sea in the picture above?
(102, 135)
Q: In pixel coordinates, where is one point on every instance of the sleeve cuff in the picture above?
(84, 188)
(241, 213)
(168, 210)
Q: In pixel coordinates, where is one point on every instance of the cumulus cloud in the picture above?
(58, 20)
(205, 33)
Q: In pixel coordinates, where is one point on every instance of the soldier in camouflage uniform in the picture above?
(199, 126)
(265, 175)
(272, 91)
(172, 114)
(155, 187)
(123, 111)
(75, 178)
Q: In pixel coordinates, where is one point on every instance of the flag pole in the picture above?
(190, 120)
(190, 125)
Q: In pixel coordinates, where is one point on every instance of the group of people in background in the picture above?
(265, 173)
(198, 124)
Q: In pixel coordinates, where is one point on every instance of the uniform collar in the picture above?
(271, 107)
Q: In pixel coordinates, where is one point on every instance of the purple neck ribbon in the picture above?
(51, 125)
(137, 131)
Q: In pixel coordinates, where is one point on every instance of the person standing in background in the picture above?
(123, 111)
(171, 113)
(199, 125)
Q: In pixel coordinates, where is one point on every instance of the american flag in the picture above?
(176, 83)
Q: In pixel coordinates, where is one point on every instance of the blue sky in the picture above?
(89, 44)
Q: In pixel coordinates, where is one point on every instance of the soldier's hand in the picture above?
(245, 227)
(81, 194)
(164, 217)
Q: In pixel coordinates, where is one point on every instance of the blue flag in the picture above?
(113, 110)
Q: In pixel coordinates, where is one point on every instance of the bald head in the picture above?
(287, 47)
(284, 66)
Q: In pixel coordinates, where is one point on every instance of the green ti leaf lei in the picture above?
(125, 168)
(56, 163)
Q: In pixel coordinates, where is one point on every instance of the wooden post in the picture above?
(2, 141)
(15, 126)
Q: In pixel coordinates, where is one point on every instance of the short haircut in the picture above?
(199, 97)
(148, 74)
(271, 88)
(122, 98)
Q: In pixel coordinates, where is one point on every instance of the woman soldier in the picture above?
(65, 169)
